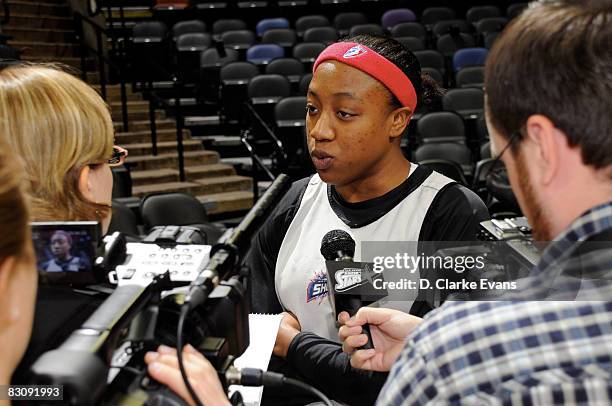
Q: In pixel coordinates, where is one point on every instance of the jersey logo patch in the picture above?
(317, 287)
(354, 52)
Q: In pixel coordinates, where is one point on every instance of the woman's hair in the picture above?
(429, 93)
(13, 205)
(56, 125)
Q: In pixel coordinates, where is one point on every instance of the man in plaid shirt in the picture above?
(549, 101)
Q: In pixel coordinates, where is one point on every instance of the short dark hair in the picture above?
(429, 93)
(555, 59)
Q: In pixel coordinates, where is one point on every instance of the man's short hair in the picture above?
(555, 59)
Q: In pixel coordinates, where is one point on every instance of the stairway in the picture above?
(216, 185)
(44, 31)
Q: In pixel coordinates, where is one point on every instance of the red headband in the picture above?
(375, 65)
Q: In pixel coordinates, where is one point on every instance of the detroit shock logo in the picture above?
(317, 287)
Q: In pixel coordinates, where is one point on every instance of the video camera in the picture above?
(102, 361)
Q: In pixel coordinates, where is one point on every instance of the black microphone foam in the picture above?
(337, 243)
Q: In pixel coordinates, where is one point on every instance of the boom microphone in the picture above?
(224, 256)
(339, 246)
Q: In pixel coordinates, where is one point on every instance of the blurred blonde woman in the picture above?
(61, 130)
(17, 266)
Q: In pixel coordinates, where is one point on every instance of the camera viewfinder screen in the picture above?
(65, 252)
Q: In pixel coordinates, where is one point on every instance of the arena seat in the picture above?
(303, 23)
(270, 23)
(469, 57)
(238, 39)
(412, 43)
(442, 126)
(491, 24)
(448, 44)
(291, 68)
(284, 37)
(412, 29)
(395, 16)
(372, 29)
(264, 53)
(468, 102)
(344, 21)
(227, 24)
(471, 76)
(188, 27)
(448, 26)
(307, 52)
(178, 209)
(477, 13)
(432, 15)
(321, 34)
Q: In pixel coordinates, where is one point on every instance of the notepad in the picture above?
(262, 336)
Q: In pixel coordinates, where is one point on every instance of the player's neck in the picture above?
(391, 173)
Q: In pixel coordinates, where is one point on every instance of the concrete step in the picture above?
(135, 115)
(223, 184)
(227, 202)
(145, 136)
(115, 105)
(219, 185)
(39, 8)
(154, 176)
(44, 1)
(73, 62)
(20, 33)
(168, 187)
(163, 147)
(46, 49)
(145, 125)
(170, 160)
(209, 171)
(130, 13)
(166, 175)
(40, 21)
(112, 97)
(115, 91)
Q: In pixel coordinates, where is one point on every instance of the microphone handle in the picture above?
(370, 344)
(353, 305)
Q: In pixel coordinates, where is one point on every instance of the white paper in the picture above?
(262, 335)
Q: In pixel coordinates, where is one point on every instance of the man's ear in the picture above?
(544, 139)
(399, 121)
(85, 186)
(9, 306)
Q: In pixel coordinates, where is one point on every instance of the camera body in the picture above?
(96, 363)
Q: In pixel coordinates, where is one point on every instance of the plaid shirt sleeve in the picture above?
(475, 352)
(410, 380)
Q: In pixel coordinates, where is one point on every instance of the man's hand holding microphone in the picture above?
(389, 329)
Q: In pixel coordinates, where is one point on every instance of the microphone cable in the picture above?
(257, 377)
(179, 354)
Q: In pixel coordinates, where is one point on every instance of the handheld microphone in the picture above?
(339, 246)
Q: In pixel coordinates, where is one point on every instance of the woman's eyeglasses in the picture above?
(118, 157)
